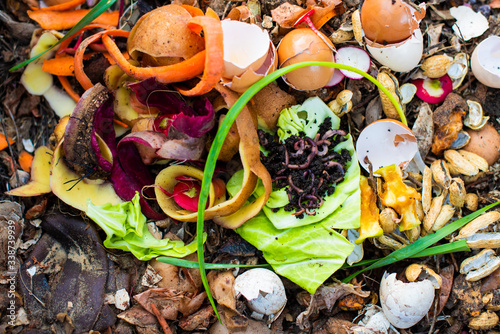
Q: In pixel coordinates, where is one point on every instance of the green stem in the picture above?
(231, 116)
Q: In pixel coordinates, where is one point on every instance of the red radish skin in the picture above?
(433, 90)
(186, 194)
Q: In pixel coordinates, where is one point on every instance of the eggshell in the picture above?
(389, 21)
(301, 45)
(485, 60)
(246, 46)
(386, 142)
(263, 290)
(400, 57)
(405, 304)
(485, 143)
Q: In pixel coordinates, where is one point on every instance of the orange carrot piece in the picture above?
(63, 66)
(194, 11)
(68, 88)
(211, 13)
(214, 62)
(49, 19)
(3, 142)
(63, 6)
(80, 75)
(25, 161)
(182, 71)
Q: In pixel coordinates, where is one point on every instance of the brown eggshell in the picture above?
(162, 37)
(301, 45)
(485, 143)
(389, 21)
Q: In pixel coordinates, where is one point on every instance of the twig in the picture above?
(161, 320)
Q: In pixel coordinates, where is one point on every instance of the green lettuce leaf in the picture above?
(309, 250)
(306, 118)
(306, 255)
(126, 229)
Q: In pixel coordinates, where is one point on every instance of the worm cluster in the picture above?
(309, 168)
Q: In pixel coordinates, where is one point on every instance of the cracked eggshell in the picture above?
(386, 142)
(485, 62)
(399, 57)
(246, 46)
(405, 304)
(301, 45)
(263, 290)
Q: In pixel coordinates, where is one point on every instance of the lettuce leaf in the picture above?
(306, 255)
(126, 229)
(309, 250)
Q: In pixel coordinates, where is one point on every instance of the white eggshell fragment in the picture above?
(399, 57)
(245, 46)
(405, 304)
(263, 290)
(485, 62)
(386, 142)
(469, 23)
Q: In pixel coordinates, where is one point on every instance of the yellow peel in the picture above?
(62, 179)
(40, 172)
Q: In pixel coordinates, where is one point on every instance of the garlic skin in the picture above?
(264, 292)
(405, 304)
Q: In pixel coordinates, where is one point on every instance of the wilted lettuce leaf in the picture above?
(306, 255)
(126, 229)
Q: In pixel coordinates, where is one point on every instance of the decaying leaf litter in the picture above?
(65, 280)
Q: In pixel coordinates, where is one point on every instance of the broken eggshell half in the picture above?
(264, 292)
(485, 60)
(405, 304)
(246, 59)
(301, 45)
(392, 33)
(386, 142)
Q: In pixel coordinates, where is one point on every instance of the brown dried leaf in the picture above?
(445, 290)
(269, 102)
(286, 15)
(170, 302)
(138, 316)
(423, 129)
(221, 285)
(198, 321)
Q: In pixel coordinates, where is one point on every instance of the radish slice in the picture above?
(355, 57)
(336, 78)
(386, 142)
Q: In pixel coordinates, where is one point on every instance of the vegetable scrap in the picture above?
(214, 152)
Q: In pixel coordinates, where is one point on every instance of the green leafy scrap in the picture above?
(126, 229)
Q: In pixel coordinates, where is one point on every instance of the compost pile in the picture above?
(262, 166)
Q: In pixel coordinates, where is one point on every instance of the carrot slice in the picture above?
(68, 88)
(49, 19)
(80, 75)
(25, 161)
(63, 6)
(3, 141)
(194, 11)
(211, 13)
(182, 71)
(214, 62)
(63, 66)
